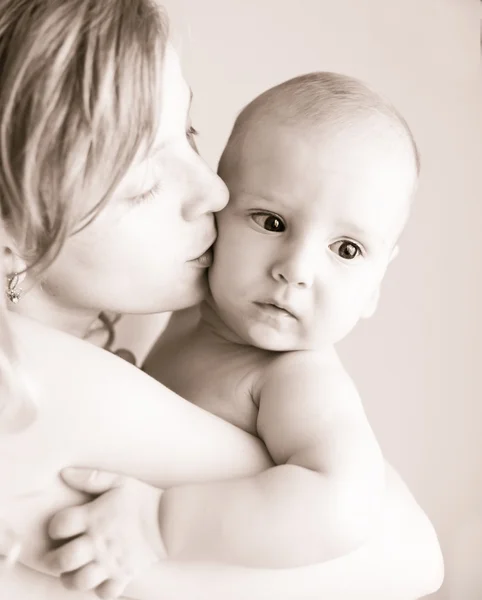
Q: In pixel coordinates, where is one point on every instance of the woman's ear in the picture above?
(12, 262)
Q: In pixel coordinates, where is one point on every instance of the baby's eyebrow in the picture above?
(264, 197)
(354, 229)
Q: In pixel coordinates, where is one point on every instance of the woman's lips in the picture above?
(205, 260)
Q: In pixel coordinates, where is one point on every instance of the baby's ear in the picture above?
(371, 305)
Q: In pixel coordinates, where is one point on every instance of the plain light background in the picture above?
(417, 362)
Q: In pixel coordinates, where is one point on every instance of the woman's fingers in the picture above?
(91, 481)
(86, 578)
(71, 556)
(68, 523)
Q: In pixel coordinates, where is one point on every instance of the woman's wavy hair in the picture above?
(79, 96)
(80, 85)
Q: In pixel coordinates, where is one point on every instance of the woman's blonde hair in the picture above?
(79, 101)
(79, 98)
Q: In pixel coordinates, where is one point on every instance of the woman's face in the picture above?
(139, 254)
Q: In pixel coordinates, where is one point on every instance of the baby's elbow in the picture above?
(428, 558)
(353, 530)
(352, 520)
(436, 572)
(357, 514)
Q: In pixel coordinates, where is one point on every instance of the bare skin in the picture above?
(211, 448)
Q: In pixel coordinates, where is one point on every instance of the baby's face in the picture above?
(308, 233)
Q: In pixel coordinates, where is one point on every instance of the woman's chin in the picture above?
(177, 295)
(184, 298)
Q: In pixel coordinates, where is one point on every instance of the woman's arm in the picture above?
(97, 410)
(111, 416)
(402, 561)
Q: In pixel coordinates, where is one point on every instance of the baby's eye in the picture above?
(347, 249)
(269, 222)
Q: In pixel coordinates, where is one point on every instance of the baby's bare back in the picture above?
(216, 375)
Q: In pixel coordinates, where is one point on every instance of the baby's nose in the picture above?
(294, 273)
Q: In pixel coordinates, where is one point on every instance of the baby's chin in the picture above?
(272, 340)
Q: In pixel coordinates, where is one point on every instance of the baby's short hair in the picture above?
(316, 99)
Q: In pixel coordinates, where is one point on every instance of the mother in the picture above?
(106, 206)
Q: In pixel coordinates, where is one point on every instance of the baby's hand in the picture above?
(116, 536)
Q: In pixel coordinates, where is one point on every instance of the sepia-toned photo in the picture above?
(240, 329)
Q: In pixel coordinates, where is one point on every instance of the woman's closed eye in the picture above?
(269, 221)
(146, 196)
(348, 250)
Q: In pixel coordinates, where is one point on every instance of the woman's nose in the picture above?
(209, 194)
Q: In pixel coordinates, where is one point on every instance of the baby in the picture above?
(321, 173)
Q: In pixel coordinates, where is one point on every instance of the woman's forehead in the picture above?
(173, 106)
(175, 96)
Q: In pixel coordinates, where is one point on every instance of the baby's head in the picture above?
(321, 172)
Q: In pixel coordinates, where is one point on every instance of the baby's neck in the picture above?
(212, 323)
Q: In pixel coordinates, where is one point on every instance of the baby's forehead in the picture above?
(315, 105)
(360, 172)
(371, 146)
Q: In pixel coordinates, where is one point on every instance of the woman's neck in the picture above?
(37, 305)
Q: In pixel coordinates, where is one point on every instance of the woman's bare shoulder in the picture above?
(35, 340)
(56, 363)
(95, 409)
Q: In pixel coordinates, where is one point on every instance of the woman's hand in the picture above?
(117, 535)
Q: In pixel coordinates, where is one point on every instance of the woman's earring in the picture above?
(13, 293)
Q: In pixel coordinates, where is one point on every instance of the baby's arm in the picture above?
(401, 561)
(319, 502)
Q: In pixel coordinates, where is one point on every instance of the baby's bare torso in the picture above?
(217, 375)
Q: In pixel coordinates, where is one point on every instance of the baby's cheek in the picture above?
(224, 263)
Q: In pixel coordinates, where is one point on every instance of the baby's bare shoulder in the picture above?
(306, 362)
(309, 372)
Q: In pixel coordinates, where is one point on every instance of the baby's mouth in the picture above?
(276, 309)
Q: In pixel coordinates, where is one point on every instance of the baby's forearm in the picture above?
(285, 517)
